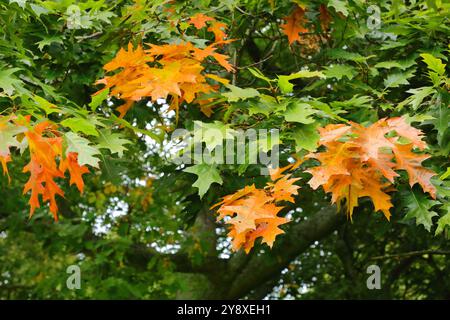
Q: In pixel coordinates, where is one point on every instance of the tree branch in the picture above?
(262, 268)
(411, 254)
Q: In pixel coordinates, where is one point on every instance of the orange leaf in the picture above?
(4, 160)
(163, 71)
(412, 163)
(253, 213)
(42, 167)
(284, 188)
(217, 28)
(295, 24)
(199, 20)
(359, 165)
(70, 163)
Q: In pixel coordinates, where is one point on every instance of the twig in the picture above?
(256, 63)
(89, 36)
(410, 254)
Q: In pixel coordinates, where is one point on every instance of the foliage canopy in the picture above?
(91, 92)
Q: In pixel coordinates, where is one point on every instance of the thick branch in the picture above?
(262, 268)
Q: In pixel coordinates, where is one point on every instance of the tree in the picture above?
(92, 95)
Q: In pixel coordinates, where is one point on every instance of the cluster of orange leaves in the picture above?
(47, 160)
(253, 212)
(361, 162)
(296, 24)
(169, 70)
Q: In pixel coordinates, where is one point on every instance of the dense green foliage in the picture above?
(140, 229)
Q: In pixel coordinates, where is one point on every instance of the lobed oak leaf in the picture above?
(284, 188)
(199, 20)
(362, 164)
(294, 25)
(45, 147)
(70, 163)
(218, 28)
(333, 132)
(276, 173)
(268, 230)
(412, 163)
(403, 129)
(3, 161)
(161, 72)
(253, 213)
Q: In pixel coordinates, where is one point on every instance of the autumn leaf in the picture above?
(284, 188)
(412, 163)
(362, 162)
(8, 138)
(3, 161)
(170, 71)
(199, 20)
(295, 24)
(70, 163)
(45, 146)
(218, 28)
(253, 213)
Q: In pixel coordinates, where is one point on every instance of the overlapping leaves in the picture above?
(166, 71)
(363, 162)
(253, 213)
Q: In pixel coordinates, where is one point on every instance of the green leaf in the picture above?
(433, 63)
(257, 73)
(237, 93)
(78, 124)
(392, 44)
(324, 107)
(419, 208)
(268, 142)
(388, 65)
(441, 121)
(339, 6)
(48, 40)
(418, 95)
(44, 105)
(8, 82)
(444, 176)
(8, 134)
(299, 112)
(207, 175)
(21, 3)
(306, 137)
(394, 80)
(98, 98)
(418, 117)
(442, 187)
(114, 142)
(265, 105)
(212, 134)
(444, 221)
(339, 71)
(348, 56)
(38, 10)
(260, 107)
(356, 101)
(80, 145)
(287, 87)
